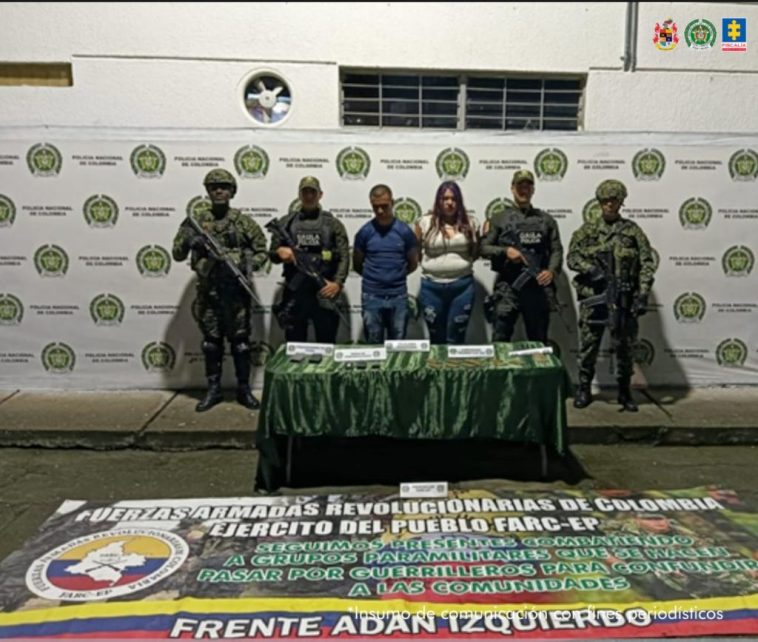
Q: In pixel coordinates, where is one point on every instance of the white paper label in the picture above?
(471, 352)
(308, 349)
(373, 353)
(407, 345)
(410, 490)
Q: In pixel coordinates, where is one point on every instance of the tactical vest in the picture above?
(314, 236)
(533, 234)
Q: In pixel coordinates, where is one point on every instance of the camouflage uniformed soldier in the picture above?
(223, 305)
(620, 242)
(321, 241)
(523, 286)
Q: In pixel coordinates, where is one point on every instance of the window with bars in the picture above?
(460, 102)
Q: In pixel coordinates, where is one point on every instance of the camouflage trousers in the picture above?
(531, 301)
(223, 310)
(590, 338)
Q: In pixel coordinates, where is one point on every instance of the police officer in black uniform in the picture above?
(323, 238)
(524, 247)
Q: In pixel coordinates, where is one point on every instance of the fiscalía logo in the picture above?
(666, 37)
(648, 165)
(695, 214)
(158, 356)
(407, 210)
(353, 163)
(251, 161)
(700, 34)
(106, 564)
(452, 164)
(498, 206)
(153, 261)
(7, 211)
(551, 164)
(148, 161)
(197, 206)
(100, 211)
(743, 165)
(738, 260)
(733, 34)
(44, 159)
(592, 211)
(731, 353)
(107, 309)
(58, 358)
(11, 309)
(689, 308)
(643, 352)
(51, 260)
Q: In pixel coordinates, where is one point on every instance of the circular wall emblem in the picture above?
(743, 165)
(700, 34)
(7, 211)
(100, 211)
(11, 310)
(251, 162)
(44, 159)
(51, 260)
(643, 352)
(353, 163)
(260, 353)
(294, 206)
(731, 353)
(452, 164)
(497, 206)
(153, 261)
(58, 358)
(107, 564)
(695, 214)
(592, 212)
(656, 258)
(407, 210)
(158, 356)
(148, 161)
(107, 309)
(648, 165)
(689, 308)
(197, 206)
(738, 260)
(551, 164)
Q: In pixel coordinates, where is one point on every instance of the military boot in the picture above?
(625, 397)
(241, 355)
(213, 396)
(583, 396)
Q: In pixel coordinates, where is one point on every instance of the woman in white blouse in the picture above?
(449, 242)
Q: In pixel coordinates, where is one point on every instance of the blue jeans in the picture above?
(447, 309)
(384, 314)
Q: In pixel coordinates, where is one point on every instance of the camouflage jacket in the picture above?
(240, 236)
(631, 249)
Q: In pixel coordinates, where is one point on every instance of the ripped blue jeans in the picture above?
(447, 309)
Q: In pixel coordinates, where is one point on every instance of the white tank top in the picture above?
(446, 259)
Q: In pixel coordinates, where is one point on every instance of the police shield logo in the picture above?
(51, 260)
(452, 164)
(695, 214)
(656, 259)
(44, 159)
(743, 165)
(738, 260)
(643, 352)
(731, 353)
(592, 212)
(11, 310)
(106, 310)
(153, 261)
(294, 206)
(648, 165)
(260, 353)
(108, 564)
(700, 34)
(251, 162)
(148, 161)
(689, 308)
(407, 210)
(7, 211)
(158, 356)
(197, 206)
(58, 358)
(100, 211)
(498, 206)
(353, 163)
(551, 164)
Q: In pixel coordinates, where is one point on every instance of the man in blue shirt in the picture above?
(385, 252)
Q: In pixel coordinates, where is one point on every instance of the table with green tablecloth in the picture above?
(412, 395)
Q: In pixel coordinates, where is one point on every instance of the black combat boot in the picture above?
(214, 353)
(625, 397)
(241, 355)
(583, 396)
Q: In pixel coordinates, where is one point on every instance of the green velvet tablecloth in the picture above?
(419, 396)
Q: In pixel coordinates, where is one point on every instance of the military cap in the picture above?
(309, 181)
(522, 175)
(611, 189)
